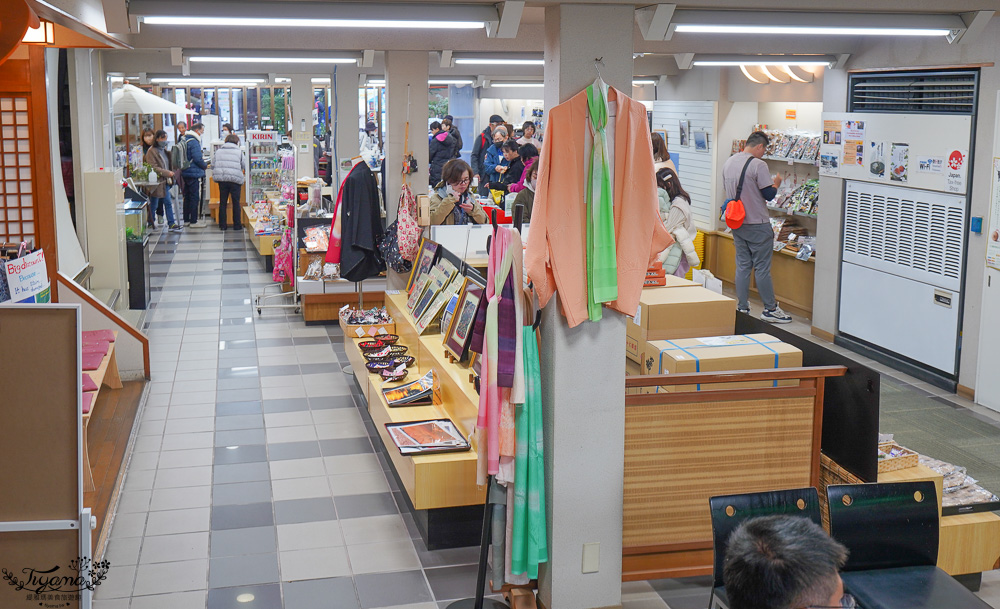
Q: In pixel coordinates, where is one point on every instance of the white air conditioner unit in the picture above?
(901, 278)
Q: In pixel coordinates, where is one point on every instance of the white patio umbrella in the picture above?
(133, 100)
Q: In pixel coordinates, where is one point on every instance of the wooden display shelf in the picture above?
(264, 244)
(431, 481)
(320, 308)
(793, 278)
(969, 543)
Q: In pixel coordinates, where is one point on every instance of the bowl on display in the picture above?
(371, 345)
(378, 365)
(388, 339)
(397, 350)
(391, 374)
(401, 360)
(379, 354)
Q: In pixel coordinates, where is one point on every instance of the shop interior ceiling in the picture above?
(654, 57)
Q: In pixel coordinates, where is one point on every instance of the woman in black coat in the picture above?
(442, 145)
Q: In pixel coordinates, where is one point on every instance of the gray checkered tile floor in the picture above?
(256, 480)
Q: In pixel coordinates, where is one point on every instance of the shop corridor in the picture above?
(254, 481)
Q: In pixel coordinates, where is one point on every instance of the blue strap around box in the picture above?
(769, 349)
(697, 362)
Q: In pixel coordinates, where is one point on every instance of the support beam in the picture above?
(116, 16)
(445, 59)
(654, 21)
(575, 405)
(975, 23)
(684, 60)
(509, 20)
(176, 56)
(368, 58)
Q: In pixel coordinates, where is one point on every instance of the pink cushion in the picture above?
(92, 361)
(88, 401)
(99, 347)
(92, 336)
(88, 383)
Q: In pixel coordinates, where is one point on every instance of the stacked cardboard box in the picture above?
(718, 354)
(679, 309)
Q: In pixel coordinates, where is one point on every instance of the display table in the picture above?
(440, 488)
(793, 278)
(264, 244)
(213, 199)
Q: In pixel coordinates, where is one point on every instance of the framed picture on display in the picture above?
(425, 260)
(700, 138)
(685, 128)
(663, 134)
(459, 333)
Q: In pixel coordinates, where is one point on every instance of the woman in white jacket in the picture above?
(675, 213)
(229, 171)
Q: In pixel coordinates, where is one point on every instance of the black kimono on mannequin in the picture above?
(361, 226)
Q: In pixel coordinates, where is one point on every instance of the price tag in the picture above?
(359, 332)
(371, 331)
(381, 330)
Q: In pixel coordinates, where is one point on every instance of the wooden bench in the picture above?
(106, 374)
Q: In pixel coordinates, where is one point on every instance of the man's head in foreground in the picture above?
(783, 562)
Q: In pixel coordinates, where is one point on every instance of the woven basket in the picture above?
(831, 472)
(908, 459)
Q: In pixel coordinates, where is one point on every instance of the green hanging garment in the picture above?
(529, 547)
(602, 262)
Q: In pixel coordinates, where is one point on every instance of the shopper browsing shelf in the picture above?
(229, 171)
(451, 202)
(495, 163)
(448, 124)
(193, 174)
(753, 239)
(159, 196)
(148, 139)
(529, 130)
(441, 147)
(527, 196)
(227, 130)
(675, 213)
(482, 144)
(660, 154)
(776, 562)
(369, 140)
(529, 156)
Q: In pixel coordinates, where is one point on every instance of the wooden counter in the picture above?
(430, 481)
(793, 278)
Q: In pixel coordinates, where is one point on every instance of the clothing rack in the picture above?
(479, 601)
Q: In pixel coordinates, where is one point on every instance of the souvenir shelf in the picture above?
(441, 487)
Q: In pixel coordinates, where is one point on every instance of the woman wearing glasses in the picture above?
(451, 202)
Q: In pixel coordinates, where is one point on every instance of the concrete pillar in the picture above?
(302, 138)
(406, 96)
(583, 368)
(345, 143)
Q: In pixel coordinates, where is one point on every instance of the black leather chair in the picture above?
(729, 511)
(892, 531)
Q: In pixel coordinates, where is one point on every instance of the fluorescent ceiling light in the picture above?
(210, 84)
(499, 61)
(807, 30)
(753, 61)
(288, 22)
(321, 80)
(517, 85)
(275, 59)
(451, 81)
(206, 79)
(639, 83)
(376, 83)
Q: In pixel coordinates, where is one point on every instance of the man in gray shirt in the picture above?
(754, 238)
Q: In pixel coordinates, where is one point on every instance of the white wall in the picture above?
(696, 169)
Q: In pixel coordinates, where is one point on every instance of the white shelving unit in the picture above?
(264, 165)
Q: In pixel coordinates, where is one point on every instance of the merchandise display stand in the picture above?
(44, 525)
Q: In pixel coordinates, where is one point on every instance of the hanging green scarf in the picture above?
(602, 263)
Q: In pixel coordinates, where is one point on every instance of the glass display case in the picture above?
(133, 218)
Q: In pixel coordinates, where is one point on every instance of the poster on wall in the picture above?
(930, 164)
(833, 132)
(956, 169)
(876, 159)
(854, 143)
(993, 232)
(899, 162)
(829, 160)
(684, 127)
